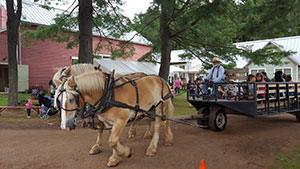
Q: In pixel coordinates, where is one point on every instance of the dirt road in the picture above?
(246, 143)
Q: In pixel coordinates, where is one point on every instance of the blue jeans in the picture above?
(28, 111)
(208, 84)
(177, 90)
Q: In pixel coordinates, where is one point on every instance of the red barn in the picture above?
(39, 57)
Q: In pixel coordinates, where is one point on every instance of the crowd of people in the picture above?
(230, 86)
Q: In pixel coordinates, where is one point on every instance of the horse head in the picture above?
(74, 93)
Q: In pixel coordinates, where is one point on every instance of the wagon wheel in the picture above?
(297, 116)
(217, 120)
(203, 121)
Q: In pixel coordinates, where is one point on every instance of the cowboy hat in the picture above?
(215, 59)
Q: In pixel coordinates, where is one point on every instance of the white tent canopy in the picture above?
(175, 69)
(196, 69)
(127, 67)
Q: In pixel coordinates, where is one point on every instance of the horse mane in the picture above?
(90, 82)
(81, 68)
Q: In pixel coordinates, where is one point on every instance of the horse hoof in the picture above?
(168, 143)
(150, 153)
(95, 150)
(131, 135)
(148, 135)
(112, 164)
(130, 153)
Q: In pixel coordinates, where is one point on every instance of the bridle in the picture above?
(88, 110)
(77, 96)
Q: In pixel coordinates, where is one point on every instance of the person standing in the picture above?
(28, 106)
(215, 75)
(177, 84)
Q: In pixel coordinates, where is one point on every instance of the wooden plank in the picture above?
(273, 91)
(274, 85)
(238, 70)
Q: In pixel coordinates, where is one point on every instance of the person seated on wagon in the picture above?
(215, 75)
(260, 78)
(266, 78)
(251, 80)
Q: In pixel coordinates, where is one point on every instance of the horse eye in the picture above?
(71, 100)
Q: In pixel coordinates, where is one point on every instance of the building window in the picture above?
(256, 70)
(285, 70)
(182, 67)
(101, 56)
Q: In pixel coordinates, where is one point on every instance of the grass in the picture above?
(182, 106)
(4, 98)
(290, 161)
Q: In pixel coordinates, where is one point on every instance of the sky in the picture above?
(130, 8)
(135, 6)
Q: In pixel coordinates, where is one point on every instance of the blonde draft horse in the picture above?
(91, 87)
(63, 73)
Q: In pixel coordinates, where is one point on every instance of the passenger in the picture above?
(251, 79)
(260, 78)
(235, 79)
(221, 89)
(279, 76)
(215, 75)
(266, 77)
(192, 90)
(288, 78)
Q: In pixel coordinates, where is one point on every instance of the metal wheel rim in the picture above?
(220, 120)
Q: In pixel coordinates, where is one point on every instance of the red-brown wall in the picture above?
(3, 46)
(42, 56)
(3, 17)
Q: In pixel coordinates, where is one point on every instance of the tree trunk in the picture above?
(13, 22)
(85, 21)
(165, 48)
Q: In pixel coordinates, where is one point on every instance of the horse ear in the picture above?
(55, 69)
(57, 82)
(67, 72)
(71, 82)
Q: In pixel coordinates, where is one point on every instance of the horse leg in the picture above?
(96, 148)
(149, 131)
(119, 150)
(151, 150)
(132, 130)
(168, 109)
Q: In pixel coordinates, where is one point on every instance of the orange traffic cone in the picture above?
(202, 164)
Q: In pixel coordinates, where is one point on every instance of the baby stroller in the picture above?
(47, 106)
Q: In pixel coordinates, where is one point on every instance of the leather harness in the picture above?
(107, 99)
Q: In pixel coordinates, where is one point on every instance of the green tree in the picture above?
(99, 17)
(204, 29)
(14, 12)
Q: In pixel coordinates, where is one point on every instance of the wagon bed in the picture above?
(269, 98)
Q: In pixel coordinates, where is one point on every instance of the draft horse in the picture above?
(61, 74)
(90, 88)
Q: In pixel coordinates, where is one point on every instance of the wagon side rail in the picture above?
(266, 97)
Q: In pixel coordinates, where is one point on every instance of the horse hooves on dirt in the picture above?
(168, 143)
(130, 153)
(131, 135)
(95, 150)
(150, 153)
(148, 135)
(112, 164)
